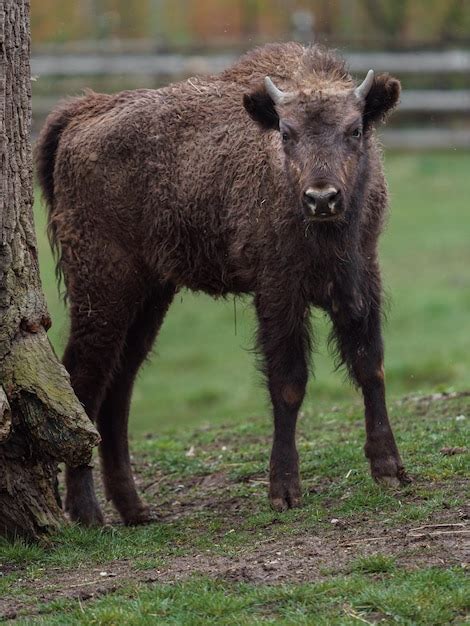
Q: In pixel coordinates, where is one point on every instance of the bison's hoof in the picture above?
(390, 482)
(139, 515)
(84, 512)
(389, 473)
(283, 496)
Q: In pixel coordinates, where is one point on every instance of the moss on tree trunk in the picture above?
(41, 421)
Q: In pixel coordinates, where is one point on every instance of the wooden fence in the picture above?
(440, 117)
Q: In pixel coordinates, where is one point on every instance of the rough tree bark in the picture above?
(41, 421)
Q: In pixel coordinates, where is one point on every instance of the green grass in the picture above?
(375, 564)
(426, 597)
(212, 505)
(203, 466)
(203, 371)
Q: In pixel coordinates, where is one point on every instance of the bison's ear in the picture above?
(260, 108)
(383, 96)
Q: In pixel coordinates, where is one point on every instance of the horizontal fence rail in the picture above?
(435, 101)
(448, 61)
(428, 139)
(451, 61)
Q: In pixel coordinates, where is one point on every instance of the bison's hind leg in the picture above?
(105, 292)
(114, 412)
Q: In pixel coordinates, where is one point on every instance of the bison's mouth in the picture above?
(323, 216)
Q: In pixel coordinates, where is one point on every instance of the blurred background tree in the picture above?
(232, 23)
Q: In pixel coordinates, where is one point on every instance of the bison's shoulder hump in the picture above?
(290, 61)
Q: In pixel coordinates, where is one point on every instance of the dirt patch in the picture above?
(309, 558)
(233, 501)
(443, 541)
(437, 403)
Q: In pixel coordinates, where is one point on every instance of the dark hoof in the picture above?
(130, 507)
(389, 472)
(84, 512)
(283, 496)
(138, 515)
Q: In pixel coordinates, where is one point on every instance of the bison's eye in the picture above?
(288, 132)
(357, 133)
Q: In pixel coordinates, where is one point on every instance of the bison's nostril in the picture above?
(332, 200)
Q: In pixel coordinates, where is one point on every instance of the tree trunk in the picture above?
(41, 421)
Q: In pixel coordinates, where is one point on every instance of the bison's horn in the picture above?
(277, 96)
(364, 88)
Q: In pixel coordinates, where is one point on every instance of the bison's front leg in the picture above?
(283, 340)
(359, 335)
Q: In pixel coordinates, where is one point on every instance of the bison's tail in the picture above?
(45, 152)
(45, 157)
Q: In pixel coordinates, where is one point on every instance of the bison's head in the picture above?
(323, 137)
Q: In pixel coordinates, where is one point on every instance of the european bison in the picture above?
(264, 179)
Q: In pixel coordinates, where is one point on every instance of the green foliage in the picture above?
(179, 23)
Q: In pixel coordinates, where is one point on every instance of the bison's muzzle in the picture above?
(322, 202)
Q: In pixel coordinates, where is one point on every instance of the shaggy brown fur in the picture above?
(152, 191)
